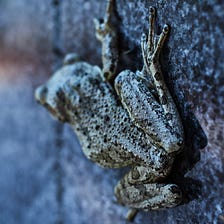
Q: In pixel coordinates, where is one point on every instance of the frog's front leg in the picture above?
(107, 34)
(140, 189)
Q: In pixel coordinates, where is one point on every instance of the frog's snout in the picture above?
(40, 94)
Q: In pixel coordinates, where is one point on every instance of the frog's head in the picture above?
(64, 92)
(51, 95)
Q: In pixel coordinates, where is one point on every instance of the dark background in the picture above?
(44, 176)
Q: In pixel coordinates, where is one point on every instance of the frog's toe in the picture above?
(174, 195)
(71, 59)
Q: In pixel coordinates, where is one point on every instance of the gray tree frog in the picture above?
(133, 122)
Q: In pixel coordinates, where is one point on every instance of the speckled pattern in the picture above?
(62, 183)
(107, 134)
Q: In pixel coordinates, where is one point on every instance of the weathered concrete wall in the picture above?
(45, 178)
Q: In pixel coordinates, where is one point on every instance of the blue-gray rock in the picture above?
(45, 178)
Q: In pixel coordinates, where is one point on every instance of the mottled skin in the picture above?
(133, 123)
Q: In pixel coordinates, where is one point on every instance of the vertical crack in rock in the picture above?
(57, 62)
(57, 45)
(59, 172)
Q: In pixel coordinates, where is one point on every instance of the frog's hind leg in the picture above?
(140, 189)
(166, 101)
(151, 50)
(106, 33)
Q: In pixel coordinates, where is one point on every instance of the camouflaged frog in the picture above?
(133, 122)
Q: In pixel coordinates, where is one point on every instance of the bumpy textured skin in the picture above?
(134, 122)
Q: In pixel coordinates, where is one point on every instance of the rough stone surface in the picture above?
(45, 178)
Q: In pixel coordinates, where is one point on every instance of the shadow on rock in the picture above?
(195, 139)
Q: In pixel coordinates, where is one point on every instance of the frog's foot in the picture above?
(148, 196)
(152, 45)
(141, 189)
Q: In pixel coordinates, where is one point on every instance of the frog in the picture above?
(122, 120)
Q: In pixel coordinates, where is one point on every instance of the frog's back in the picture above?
(107, 134)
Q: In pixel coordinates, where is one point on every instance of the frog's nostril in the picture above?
(40, 94)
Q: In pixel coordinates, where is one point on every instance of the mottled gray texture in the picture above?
(44, 176)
